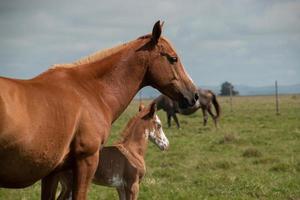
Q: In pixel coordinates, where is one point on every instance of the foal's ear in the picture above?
(141, 107)
(156, 32)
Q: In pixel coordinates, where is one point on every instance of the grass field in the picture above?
(255, 154)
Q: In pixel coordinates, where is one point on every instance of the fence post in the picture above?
(230, 93)
(276, 98)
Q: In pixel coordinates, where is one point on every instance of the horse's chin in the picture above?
(185, 104)
(189, 110)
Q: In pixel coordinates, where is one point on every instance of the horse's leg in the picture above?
(66, 180)
(212, 115)
(83, 175)
(121, 193)
(85, 147)
(176, 120)
(169, 119)
(205, 117)
(49, 185)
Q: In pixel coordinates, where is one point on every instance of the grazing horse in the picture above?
(60, 119)
(206, 98)
(123, 165)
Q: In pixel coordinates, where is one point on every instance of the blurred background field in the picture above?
(254, 154)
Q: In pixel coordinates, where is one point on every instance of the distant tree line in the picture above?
(225, 89)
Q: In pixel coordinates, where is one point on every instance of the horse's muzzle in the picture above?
(186, 102)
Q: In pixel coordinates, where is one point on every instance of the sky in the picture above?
(245, 42)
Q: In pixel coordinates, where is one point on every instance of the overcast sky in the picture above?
(249, 42)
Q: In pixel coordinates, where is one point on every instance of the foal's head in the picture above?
(153, 127)
(165, 70)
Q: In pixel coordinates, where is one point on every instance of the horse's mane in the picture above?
(99, 55)
(128, 129)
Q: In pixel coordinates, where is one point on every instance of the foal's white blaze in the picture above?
(158, 136)
(164, 139)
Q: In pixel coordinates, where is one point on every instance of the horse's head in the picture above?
(166, 72)
(153, 127)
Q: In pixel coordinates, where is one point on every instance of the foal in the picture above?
(123, 165)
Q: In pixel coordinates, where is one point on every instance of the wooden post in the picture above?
(230, 92)
(276, 98)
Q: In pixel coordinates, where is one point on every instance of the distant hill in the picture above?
(244, 90)
(268, 90)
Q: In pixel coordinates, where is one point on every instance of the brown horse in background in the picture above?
(206, 98)
(60, 119)
(123, 165)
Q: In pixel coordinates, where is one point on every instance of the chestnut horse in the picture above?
(60, 119)
(123, 165)
(206, 98)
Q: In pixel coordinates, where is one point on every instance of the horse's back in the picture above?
(205, 96)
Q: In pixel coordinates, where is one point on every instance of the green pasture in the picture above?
(255, 154)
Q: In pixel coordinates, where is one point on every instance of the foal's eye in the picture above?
(158, 126)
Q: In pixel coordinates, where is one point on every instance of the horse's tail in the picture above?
(216, 104)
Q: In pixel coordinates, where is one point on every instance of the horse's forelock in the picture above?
(169, 43)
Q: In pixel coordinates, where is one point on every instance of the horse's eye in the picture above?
(173, 59)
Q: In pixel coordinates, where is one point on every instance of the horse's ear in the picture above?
(156, 32)
(141, 107)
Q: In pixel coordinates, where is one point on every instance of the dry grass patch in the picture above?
(228, 138)
(252, 152)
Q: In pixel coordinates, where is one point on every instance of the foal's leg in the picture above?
(205, 117)
(132, 191)
(121, 193)
(49, 185)
(176, 120)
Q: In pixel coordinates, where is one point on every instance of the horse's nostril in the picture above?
(196, 96)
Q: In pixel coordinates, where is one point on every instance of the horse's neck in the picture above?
(118, 78)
